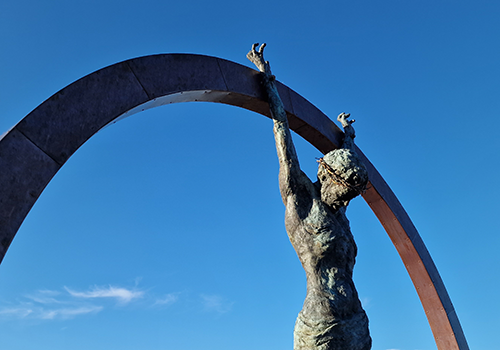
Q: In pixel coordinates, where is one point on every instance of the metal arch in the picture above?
(34, 150)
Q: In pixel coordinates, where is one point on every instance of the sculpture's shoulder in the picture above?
(297, 188)
(298, 192)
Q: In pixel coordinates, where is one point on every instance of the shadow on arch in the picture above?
(34, 150)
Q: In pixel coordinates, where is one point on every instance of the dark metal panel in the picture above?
(25, 171)
(61, 124)
(162, 75)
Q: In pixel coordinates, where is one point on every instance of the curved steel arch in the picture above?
(34, 150)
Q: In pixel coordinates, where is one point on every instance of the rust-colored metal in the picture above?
(34, 150)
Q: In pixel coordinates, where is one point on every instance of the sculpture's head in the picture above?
(342, 177)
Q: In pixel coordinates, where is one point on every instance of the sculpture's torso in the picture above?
(332, 316)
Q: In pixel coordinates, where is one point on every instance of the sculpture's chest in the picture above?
(320, 233)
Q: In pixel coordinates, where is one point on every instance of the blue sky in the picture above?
(165, 230)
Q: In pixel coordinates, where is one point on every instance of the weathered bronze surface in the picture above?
(332, 317)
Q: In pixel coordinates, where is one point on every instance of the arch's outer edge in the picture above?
(34, 150)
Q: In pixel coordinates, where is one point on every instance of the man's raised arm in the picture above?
(289, 163)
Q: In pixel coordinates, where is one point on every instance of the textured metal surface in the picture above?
(34, 150)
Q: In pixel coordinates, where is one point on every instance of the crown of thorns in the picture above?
(337, 179)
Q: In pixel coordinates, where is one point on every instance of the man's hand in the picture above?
(257, 58)
(342, 118)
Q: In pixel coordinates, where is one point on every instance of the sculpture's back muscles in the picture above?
(332, 316)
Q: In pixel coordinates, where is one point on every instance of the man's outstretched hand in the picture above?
(342, 118)
(257, 58)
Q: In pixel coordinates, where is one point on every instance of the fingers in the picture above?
(256, 56)
(343, 118)
(261, 50)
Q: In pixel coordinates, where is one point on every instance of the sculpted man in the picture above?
(332, 317)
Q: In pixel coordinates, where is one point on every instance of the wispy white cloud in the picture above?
(69, 303)
(48, 292)
(167, 299)
(45, 296)
(66, 313)
(40, 312)
(18, 312)
(52, 304)
(216, 303)
(123, 295)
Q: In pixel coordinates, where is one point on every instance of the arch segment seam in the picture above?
(138, 80)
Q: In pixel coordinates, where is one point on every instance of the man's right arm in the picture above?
(291, 177)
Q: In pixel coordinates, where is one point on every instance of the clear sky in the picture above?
(165, 231)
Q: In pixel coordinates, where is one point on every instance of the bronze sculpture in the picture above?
(332, 316)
